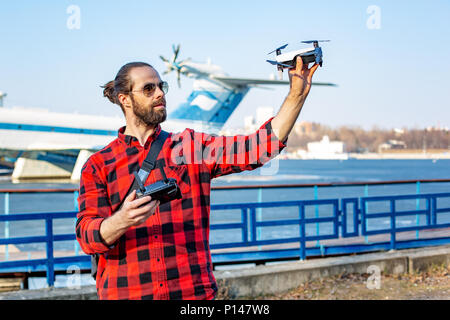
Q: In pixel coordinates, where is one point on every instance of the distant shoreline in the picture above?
(369, 156)
(400, 156)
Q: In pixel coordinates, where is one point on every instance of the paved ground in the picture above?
(434, 284)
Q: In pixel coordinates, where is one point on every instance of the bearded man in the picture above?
(149, 250)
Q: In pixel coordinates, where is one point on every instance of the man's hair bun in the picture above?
(108, 91)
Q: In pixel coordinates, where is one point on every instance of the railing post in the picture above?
(50, 260)
(253, 224)
(244, 218)
(366, 210)
(259, 213)
(417, 208)
(393, 229)
(316, 210)
(342, 218)
(433, 211)
(336, 213)
(302, 232)
(363, 216)
(6, 224)
(76, 245)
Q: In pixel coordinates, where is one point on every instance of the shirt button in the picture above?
(160, 284)
(156, 237)
(157, 259)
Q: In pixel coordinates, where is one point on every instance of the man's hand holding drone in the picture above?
(300, 78)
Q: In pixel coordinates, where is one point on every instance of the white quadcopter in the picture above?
(287, 60)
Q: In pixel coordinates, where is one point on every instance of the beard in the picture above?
(149, 117)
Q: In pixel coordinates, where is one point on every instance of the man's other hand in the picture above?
(136, 211)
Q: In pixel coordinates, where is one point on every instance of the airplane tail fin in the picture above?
(212, 107)
(213, 100)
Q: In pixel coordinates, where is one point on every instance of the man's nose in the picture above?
(158, 93)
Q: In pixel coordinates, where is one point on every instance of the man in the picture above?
(152, 251)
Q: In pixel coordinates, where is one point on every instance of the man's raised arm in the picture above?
(300, 83)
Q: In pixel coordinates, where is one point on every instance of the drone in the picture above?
(287, 60)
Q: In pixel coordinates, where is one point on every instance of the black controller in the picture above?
(164, 191)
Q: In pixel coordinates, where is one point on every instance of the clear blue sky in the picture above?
(395, 76)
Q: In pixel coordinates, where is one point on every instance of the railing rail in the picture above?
(348, 217)
(268, 186)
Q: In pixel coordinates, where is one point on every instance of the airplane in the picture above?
(61, 138)
(287, 60)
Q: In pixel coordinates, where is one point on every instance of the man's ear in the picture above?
(124, 100)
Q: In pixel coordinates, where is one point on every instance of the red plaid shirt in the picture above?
(168, 256)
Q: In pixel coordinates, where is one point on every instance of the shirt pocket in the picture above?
(181, 175)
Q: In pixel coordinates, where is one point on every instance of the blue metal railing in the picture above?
(348, 217)
(340, 227)
(48, 264)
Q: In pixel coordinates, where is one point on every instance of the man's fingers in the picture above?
(144, 210)
(147, 207)
(139, 202)
(299, 64)
(312, 70)
(131, 196)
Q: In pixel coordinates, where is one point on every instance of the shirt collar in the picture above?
(133, 141)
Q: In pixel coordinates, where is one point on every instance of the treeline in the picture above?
(359, 140)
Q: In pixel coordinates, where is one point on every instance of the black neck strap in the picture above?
(150, 161)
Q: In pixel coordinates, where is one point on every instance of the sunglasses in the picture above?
(149, 88)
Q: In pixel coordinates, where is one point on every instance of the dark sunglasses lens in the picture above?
(148, 89)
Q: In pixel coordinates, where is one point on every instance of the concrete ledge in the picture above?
(84, 293)
(278, 278)
(421, 260)
(25, 168)
(261, 280)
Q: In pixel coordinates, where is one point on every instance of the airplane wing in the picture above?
(248, 81)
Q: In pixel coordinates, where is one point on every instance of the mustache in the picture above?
(158, 102)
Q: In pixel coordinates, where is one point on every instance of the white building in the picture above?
(325, 149)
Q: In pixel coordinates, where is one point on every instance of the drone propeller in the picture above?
(312, 41)
(174, 65)
(279, 48)
(278, 63)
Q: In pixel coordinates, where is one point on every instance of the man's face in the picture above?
(148, 110)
